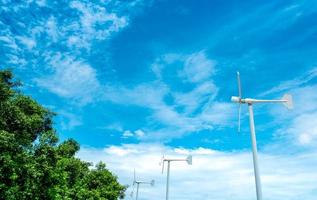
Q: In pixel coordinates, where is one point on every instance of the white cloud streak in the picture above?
(295, 83)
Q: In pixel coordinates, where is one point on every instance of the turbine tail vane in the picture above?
(189, 160)
(152, 183)
(289, 101)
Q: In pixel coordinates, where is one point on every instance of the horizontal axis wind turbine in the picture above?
(137, 183)
(189, 161)
(286, 101)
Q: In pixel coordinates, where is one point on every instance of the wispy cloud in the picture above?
(198, 68)
(213, 175)
(70, 78)
(92, 16)
(185, 112)
(138, 134)
(294, 83)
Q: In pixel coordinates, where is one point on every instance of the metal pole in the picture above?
(168, 178)
(255, 155)
(137, 191)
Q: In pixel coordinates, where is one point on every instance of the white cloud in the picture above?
(139, 133)
(198, 67)
(115, 126)
(220, 113)
(71, 78)
(304, 129)
(52, 29)
(160, 63)
(213, 175)
(117, 151)
(28, 42)
(92, 16)
(149, 94)
(195, 98)
(127, 134)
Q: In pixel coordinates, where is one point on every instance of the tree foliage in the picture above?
(33, 165)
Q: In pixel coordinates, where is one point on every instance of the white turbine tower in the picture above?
(286, 100)
(189, 161)
(137, 183)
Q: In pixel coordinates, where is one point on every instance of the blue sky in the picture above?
(124, 76)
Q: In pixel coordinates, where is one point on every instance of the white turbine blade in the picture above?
(162, 166)
(134, 177)
(289, 101)
(131, 194)
(162, 163)
(239, 85)
(239, 118)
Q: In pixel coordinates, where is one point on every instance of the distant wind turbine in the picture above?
(137, 183)
(189, 161)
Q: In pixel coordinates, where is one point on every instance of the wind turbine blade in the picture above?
(239, 118)
(239, 85)
(134, 177)
(289, 101)
(131, 194)
(162, 162)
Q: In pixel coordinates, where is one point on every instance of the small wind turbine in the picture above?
(286, 100)
(189, 161)
(137, 183)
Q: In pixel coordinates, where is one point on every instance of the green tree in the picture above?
(33, 165)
